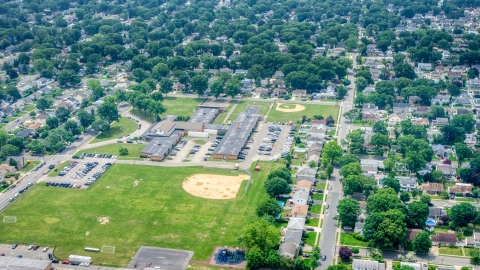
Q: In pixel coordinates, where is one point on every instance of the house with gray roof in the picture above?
(293, 236)
(296, 223)
(407, 183)
(306, 174)
(288, 250)
(301, 196)
(358, 264)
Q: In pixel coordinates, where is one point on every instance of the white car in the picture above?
(86, 264)
(30, 247)
(45, 249)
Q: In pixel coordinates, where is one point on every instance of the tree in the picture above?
(351, 169)
(9, 150)
(37, 147)
(72, 127)
(52, 122)
(358, 183)
(159, 71)
(260, 235)
(376, 254)
(12, 162)
(425, 199)
(199, 83)
(18, 142)
(462, 214)
(383, 200)
(386, 230)
(272, 259)
(255, 258)
(97, 89)
(269, 207)
(380, 127)
(475, 256)
(422, 243)
(355, 250)
(62, 114)
(329, 170)
(417, 214)
(166, 86)
(108, 111)
(44, 103)
(100, 125)
(463, 152)
(232, 88)
(276, 186)
(356, 141)
(216, 88)
(85, 118)
(349, 158)
(341, 91)
(345, 253)
(453, 90)
(123, 151)
(68, 77)
(348, 211)
(452, 134)
(392, 182)
(282, 173)
(404, 70)
(331, 153)
(361, 83)
(404, 196)
(351, 115)
(465, 121)
(380, 141)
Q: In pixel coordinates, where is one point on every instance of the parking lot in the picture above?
(82, 175)
(23, 250)
(281, 144)
(161, 258)
(183, 150)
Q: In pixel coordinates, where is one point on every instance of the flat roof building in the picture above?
(159, 147)
(166, 128)
(204, 115)
(237, 134)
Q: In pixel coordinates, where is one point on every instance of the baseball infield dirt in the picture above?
(290, 107)
(211, 186)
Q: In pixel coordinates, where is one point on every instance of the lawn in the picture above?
(349, 240)
(318, 196)
(460, 199)
(113, 149)
(315, 209)
(157, 212)
(173, 106)
(121, 128)
(313, 222)
(311, 238)
(29, 108)
(58, 169)
(321, 185)
(30, 165)
(222, 116)
(450, 251)
(309, 112)
(242, 105)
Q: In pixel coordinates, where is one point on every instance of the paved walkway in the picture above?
(229, 113)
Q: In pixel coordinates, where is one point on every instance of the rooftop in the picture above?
(204, 115)
(158, 147)
(23, 263)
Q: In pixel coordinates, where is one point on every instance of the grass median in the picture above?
(121, 128)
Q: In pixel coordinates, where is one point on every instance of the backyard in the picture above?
(144, 205)
(455, 251)
(121, 128)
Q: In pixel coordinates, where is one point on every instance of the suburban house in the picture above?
(296, 223)
(300, 196)
(306, 174)
(288, 250)
(414, 265)
(370, 112)
(420, 121)
(473, 82)
(293, 236)
(299, 93)
(407, 183)
(304, 184)
(401, 107)
(358, 264)
(436, 212)
(432, 188)
(439, 150)
(299, 210)
(460, 188)
(397, 118)
(424, 66)
(441, 99)
(446, 169)
(411, 233)
(278, 75)
(439, 122)
(444, 239)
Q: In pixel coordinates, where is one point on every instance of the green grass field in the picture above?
(311, 238)
(315, 209)
(113, 149)
(222, 116)
(309, 112)
(318, 196)
(121, 128)
(59, 168)
(30, 165)
(450, 251)
(157, 212)
(242, 105)
(174, 106)
(349, 240)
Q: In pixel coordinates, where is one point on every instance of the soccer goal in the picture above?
(108, 249)
(10, 219)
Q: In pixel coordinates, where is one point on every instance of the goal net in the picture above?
(10, 219)
(108, 249)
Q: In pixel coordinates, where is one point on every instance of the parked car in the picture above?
(15, 246)
(30, 247)
(45, 249)
(324, 258)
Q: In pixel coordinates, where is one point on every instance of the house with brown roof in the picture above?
(304, 184)
(279, 91)
(445, 239)
(420, 121)
(432, 188)
(299, 210)
(460, 188)
(370, 112)
(411, 233)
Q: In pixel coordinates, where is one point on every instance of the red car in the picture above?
(79, 186)
(35, 247)
(65, 262)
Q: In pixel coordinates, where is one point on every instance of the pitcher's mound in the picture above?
(211, 186)
(289, 107)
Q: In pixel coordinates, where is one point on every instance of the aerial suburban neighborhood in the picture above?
(218, 134)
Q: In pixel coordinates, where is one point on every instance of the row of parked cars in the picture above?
(97, 175)
(84, 170)
(288, 144)
(83, 155)
(181, 144)
(65, 185)
(19, 192)
(39, 166)
(67, 168)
